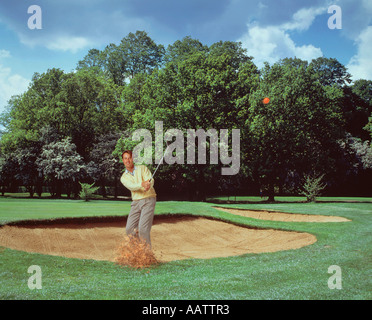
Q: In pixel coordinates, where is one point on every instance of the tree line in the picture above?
(72, 127)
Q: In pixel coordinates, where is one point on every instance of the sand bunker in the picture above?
(281, 216)
(173, 238)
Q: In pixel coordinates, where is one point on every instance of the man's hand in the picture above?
(146, 185)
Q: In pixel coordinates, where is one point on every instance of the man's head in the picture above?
(128, 160)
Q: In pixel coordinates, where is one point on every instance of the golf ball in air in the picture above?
(266, 100)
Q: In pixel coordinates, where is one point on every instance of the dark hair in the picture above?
(127, 151)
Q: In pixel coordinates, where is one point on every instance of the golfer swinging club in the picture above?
(138, 179)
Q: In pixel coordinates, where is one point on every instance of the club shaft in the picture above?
(160, 162)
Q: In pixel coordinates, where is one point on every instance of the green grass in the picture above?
(13, 209)
(232, 199)
(292, 274)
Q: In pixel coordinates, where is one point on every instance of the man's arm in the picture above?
(130, 185)
(146, 175)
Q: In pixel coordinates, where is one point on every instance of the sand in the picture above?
(281, 216)
(173, 238)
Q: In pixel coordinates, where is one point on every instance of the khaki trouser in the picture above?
(140, 218)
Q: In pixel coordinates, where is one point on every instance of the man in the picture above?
(136, 178)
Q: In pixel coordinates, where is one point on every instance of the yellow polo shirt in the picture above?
(133, 182)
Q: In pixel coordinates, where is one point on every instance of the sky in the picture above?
(270, 30)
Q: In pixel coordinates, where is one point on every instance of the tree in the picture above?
(81, 105)
(93, 60)
(32, 110)
(329, 71)
(298, 128)
(104, 166)
(8, 170)
(88, 107)
(353, 167)
(363, 88)
(141, 52)
(133, 98)
(115, 64)
(26, 171)
(132, 84)
(208, 88)
(2, 177)
(362, 151)
(62, 166)
(368, 127)
(182, 49)
(355, 99)
(361, 114)
(136, 53)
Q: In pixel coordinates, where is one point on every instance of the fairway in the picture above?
(252, 262)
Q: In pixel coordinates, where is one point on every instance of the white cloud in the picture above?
(360, 65)
(367, 4)
(10, 84)
(72, 44)
(303, 19)
(4, 54)
(272, 43)
(58, 42)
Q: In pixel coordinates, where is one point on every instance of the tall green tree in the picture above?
(298, 128)
(94, 60)
(205, 89)
(182, 49)
(32, 110)
(360, 109)
(329, 71)
(356, 110)
(89, 107)
(141, 53)
(79, 105)
(136, 53)
(115, 66)
(354, 98)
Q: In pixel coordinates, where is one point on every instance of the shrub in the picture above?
(312, 187)
(87, 191)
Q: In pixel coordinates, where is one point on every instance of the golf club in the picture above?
(161, 161)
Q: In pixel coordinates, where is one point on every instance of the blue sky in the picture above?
(268, 29)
